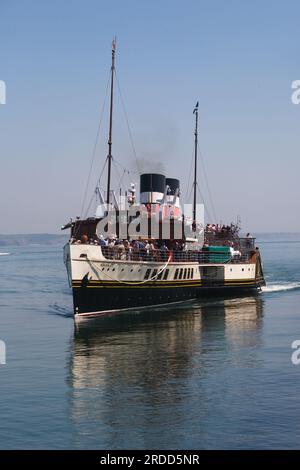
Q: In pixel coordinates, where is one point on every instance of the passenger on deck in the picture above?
(149, 247)
(103, 243)
(164, 251)
(235, 254)
(249, 240)
(128, 249)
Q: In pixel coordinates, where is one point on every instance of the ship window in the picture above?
(180, 273)
(147, 274)
(243, 269)
(189, 273)
(192, 273)
(185, 273)
(176, 274)
(166, 274)
(160, 275)
(154, 273)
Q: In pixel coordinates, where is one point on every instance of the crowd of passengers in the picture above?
(221, 231)
(155, 250)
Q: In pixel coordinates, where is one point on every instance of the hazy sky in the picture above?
(238, 58)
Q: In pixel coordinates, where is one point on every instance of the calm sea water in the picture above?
(210, 374)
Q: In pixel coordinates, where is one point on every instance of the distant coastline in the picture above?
(33, 239)
(60, 239)
(277, 237)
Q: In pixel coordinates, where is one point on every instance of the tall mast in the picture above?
(195, 166)
(109, 156)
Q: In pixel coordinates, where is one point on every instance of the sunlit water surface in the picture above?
(207, 374)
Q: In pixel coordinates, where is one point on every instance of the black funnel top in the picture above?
(173, 185)
(152, 182)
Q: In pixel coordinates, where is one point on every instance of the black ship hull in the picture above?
(96, 300)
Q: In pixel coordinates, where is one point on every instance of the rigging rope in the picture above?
(124, 168)
(188, 195)
(90, 203)
(119, 176)
(127, 122)
(206, 208)
(189, 180)
(93, 195)
(94, 148)
(121, 179)
(208, 187)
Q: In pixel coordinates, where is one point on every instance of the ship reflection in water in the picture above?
(148, 379)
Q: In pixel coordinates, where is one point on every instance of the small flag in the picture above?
(196, 107)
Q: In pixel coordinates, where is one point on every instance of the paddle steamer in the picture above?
(134, 255)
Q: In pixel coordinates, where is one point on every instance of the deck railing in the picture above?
(117, 252)
(239, 243)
